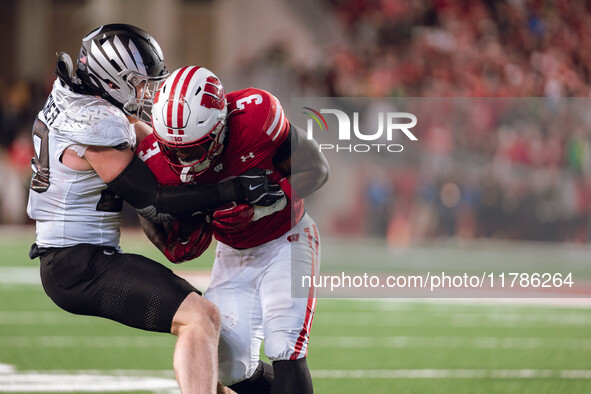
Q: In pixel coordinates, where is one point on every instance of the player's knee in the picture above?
(279, 346)
(197, 313)
(212, 314)
(236, 360)
(234, 371)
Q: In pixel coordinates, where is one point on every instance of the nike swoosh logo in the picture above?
(256, 187)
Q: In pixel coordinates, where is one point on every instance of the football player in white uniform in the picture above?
(84, 167)
(201, 135)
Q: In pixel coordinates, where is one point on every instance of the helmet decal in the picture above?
(213, 94)
(189, 119)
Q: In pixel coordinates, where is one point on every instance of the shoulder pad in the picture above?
(260, 109)
(92, 121)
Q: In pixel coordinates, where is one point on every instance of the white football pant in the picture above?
(253, 290)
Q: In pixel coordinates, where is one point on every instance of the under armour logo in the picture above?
(249, 156)
(219, 167)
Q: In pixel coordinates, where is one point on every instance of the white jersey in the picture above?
(73, 207)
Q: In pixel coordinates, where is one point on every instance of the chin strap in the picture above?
(186, 176)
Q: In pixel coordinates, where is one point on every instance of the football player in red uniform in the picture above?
(203, 136)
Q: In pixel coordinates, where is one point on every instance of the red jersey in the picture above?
(257, 127)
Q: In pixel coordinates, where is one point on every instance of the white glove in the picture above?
(261, 212)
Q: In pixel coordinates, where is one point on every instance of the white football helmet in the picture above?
(189, 119)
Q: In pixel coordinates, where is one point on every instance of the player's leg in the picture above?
(197, 325)
(286, 327)
(194, 320)
(293, 377)
(138, 292)
(286, 320)
(260, 382)
(233, 290)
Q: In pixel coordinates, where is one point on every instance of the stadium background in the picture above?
(529, 200)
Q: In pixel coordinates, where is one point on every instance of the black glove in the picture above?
(255, 188)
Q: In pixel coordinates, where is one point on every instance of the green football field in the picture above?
(357, 345)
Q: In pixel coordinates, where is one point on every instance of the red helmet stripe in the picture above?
(171, 99)
(180, 106)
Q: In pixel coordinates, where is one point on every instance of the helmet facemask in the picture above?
(191, 160)
(142, 91)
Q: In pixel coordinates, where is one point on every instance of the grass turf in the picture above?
(357, 346)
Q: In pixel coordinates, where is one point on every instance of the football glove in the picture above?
(255, 188)
(233, 218)
(182, 247)
(237, 216)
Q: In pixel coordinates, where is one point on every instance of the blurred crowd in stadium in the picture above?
(534, 172)
(517, 168)
(462, 48)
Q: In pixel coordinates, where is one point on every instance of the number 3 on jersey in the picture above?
(248, 99)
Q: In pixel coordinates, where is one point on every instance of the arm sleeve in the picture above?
(284, 150)
(137, 185)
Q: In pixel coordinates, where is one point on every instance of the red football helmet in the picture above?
(189, 119)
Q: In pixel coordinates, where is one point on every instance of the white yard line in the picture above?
(20, 276)
(86, 381)
(452, 374)
(7, 368)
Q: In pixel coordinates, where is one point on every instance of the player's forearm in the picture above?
(155, 233)
(137, 185)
